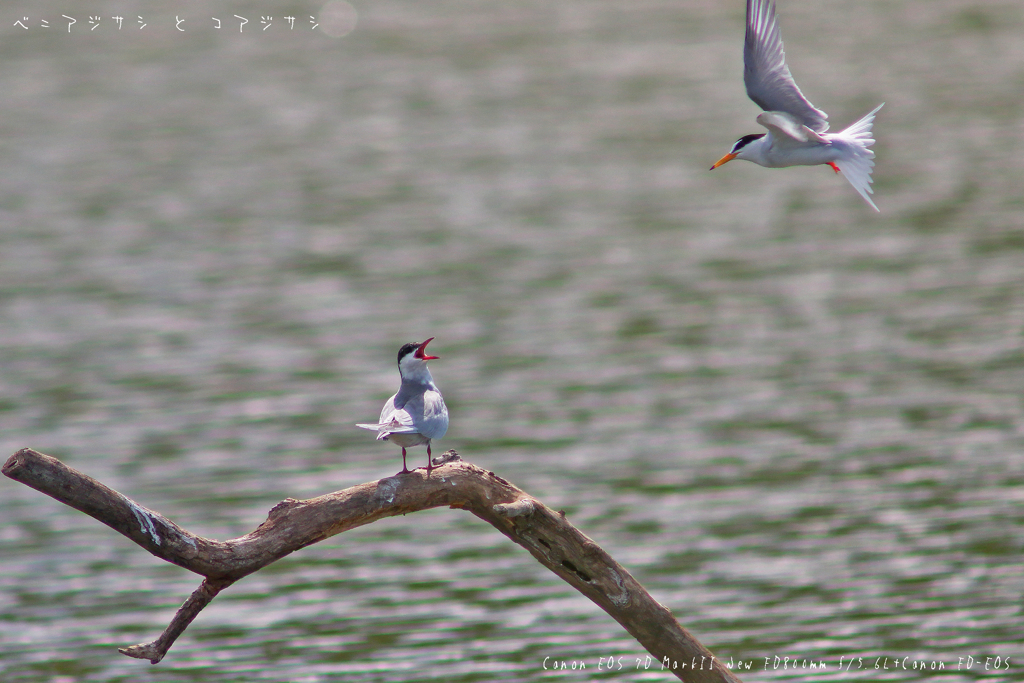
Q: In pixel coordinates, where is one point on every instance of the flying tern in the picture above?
(417, 413)
(796, 128)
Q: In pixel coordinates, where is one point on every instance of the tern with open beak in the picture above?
(796, 128)
(417, 413)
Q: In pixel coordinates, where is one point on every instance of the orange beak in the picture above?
(728, 157)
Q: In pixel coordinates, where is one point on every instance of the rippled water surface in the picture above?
(799, 423)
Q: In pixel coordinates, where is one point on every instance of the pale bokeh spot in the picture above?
(338, 18)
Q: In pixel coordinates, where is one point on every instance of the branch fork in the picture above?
(294, 524)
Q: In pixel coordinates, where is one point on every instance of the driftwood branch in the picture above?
(294, 524)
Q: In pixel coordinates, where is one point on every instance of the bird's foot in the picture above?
(834, 167)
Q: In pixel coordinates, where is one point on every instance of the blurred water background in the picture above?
(796, 421)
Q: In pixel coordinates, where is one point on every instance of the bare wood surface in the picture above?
(294, 524)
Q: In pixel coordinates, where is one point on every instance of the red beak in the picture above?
(420, 351)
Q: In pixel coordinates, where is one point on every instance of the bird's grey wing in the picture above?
(768, 80)
(391, 422)
(387, 411)
(396, 427)
(386, 429)
(398, 420)
(787, 130)
(435, 415)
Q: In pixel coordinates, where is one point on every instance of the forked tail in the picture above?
(857, 164)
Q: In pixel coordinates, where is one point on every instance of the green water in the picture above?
(799, 423)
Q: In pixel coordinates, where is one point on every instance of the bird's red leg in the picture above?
(430, 466)
(405, 468)
(834, 167)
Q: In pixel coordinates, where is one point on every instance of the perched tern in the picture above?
(796, 128)
(417, 413)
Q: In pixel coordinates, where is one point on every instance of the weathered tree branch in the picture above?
(294, 524)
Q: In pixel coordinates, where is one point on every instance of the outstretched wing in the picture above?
(787, 129)
(768, 80)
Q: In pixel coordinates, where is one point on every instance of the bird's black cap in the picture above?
(418, 349)
(407, 349)
(746, 140)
